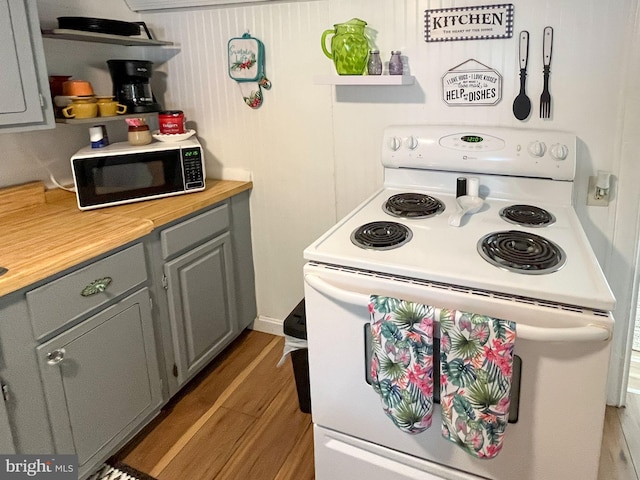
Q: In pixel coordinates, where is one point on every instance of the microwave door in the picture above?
(116, 179)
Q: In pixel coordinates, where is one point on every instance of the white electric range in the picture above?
(403, 242)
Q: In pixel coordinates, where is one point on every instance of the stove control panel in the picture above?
(491, 150)
(472, 142)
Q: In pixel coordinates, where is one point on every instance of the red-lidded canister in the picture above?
(171, 121)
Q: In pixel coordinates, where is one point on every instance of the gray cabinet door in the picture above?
(201, 304)
(6, 438)
(23, 72)
(101, 380)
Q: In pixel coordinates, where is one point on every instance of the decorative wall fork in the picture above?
(547, 47)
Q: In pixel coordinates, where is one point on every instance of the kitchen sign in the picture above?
(471, 84)
(469, 23)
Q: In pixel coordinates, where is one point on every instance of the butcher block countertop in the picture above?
(44, 232)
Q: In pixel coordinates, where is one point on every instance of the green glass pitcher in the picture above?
(349, 47)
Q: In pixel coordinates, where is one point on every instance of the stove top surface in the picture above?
(439, 252)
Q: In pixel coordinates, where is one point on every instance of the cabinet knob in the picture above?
(55, 357)
(97, 286)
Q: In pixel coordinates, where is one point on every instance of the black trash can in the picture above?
(295, 325)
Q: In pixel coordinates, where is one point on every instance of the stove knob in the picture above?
(411, 143)
(537, 148)
(559, 152)
(394, 143)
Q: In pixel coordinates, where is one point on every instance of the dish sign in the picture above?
(471, 84)
(469, 23)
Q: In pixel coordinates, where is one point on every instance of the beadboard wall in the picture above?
(313, 150)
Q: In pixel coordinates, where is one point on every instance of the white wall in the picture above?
(313, 150)
(317, 146)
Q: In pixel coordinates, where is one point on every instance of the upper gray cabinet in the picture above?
(25, 102)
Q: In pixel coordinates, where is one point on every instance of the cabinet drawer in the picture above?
(68, 298)
(191, 232)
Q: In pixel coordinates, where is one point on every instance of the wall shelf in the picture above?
(77, 35)
(98, 120)
(364, 80)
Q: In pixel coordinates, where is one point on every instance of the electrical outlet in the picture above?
(596, 200)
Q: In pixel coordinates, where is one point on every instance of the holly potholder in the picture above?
(246, 66)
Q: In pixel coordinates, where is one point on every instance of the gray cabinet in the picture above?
(90, 355)
(101, 380)
(96, 354)
(204, 268)
(6, 437)
(25, 101)
(201, 304)
(199, 282)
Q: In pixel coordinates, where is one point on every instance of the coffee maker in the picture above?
(131, 85)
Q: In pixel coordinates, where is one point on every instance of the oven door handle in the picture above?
(587, 333)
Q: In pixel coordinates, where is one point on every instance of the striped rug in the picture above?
(113, 470)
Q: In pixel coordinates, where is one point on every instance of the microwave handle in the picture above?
(587, 333)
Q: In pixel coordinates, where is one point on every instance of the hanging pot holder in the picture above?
(246, 66)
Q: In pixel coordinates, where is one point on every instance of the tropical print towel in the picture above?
(402, 361)
(476, 359)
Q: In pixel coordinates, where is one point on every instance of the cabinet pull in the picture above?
(55, 357)
(97, 286)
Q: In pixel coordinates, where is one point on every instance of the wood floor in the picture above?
(239, 420)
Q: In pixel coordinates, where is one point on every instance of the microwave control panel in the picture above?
(192, 168)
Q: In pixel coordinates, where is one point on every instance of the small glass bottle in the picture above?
(395, 63)
(139, 135)
(374, 65)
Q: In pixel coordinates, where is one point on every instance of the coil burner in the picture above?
(381, 235)
(527, 216)
(413, 205)
(521, 252)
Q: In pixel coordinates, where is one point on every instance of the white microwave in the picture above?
(121, 173)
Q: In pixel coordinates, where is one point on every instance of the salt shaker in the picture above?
(395, 63)
(98, 136)
(473, 186)
(374, 65)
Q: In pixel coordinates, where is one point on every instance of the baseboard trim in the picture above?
(268, 325)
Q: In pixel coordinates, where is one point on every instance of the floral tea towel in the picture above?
(476, 361)
(402, 361)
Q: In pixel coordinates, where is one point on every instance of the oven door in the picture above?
(115, 179)
(560, 411)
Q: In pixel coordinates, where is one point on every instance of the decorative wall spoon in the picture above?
(522, 104)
